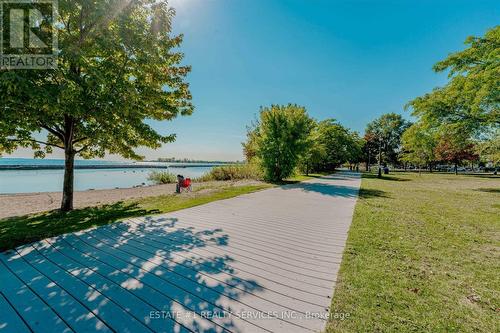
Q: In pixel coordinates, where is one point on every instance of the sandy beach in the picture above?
(27, 203)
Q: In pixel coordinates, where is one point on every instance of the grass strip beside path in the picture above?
(20, 230)
(422, 256)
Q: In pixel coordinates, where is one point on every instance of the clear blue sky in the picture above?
(349, 60)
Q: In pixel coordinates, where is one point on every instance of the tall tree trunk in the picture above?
(69, 165)
(456, 168)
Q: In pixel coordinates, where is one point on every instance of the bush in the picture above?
(162, 177)
(232, 172)
(282, 139)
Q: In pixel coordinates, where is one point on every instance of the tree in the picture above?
(385, 133)
(282, 138)
(419, 143)
(336, 142)
(370, 149)
(471, 98)
(250, 145)
(117, 67)
(489, 150)
(454, 146)
(331, 144)
(315, 152)
(355, 150)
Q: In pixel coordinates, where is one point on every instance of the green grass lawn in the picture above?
(25, 229)
(423, 255)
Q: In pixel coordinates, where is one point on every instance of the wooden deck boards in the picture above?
(262, 262)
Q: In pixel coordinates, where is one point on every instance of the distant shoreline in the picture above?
(108, 166)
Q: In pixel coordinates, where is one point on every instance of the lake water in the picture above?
(25, 181)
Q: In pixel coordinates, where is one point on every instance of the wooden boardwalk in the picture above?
(261, 262)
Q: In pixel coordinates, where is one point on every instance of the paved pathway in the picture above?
(265, 261)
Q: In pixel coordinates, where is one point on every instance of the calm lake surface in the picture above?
(25, 181)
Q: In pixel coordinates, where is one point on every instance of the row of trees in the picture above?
(285, 138)
(455, 123)
(460, 121)
(392, 140)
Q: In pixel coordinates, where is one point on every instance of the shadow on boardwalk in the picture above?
(135, 269)
(325, 189)
(339, 190)
(20, 230)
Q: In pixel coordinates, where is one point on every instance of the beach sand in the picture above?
(27, 203)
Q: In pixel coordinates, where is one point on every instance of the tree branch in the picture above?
(36, 141)
(82, 149)
(80, 139)
(58, 133)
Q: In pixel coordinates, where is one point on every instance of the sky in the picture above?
(349, 60)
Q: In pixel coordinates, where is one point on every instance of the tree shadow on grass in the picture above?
(19, 230)
(479, 175)
(366, 193)
(386, 177)
(488, 189)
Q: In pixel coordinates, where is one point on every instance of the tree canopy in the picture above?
(384, 135)
(281, 137)
(489, 149)
(454, 146)
(117, 68)
(472, 96)
(463, 113)
(331, 144)
(419, 143)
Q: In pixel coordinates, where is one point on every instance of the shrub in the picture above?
(282, 139)
(232, 172)
(162, 177)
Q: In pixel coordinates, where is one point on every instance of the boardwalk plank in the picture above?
(150, 274)
(108, 311)
(229, 297)
(132, 304)
(10, 320)
(208, 275)
(139, 288)
(261, 266)
(229, 272)
(76, 315)
(37, 314)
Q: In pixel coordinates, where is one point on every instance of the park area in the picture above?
(422, 256)
(421, 253)
(250, 166)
